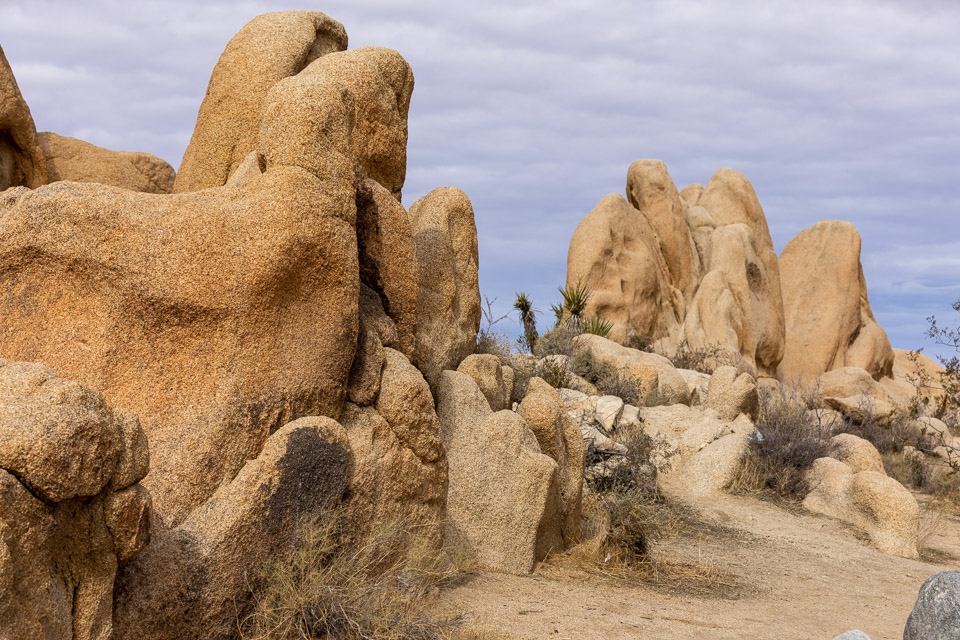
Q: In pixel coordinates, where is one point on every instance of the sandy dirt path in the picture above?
(801, 576)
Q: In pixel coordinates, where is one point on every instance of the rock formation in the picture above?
(79, 161)
(503, 501)
(263, 323)
(71, 504)
(699, 270)
(21, 161)
(829, 323)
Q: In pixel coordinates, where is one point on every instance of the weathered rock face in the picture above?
(79, 161)
(936, 613)
(71, 506)
(448, 307)
(730, 394)
(269, 48)
(200, 298)
(615, 252)
(560, 438)
(195, 580)
(829, 323)
(652, 372)
(503, 500)
(869, 500)
(698, 269)
(21, 161)
(491, 377)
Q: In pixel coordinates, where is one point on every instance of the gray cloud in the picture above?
(844, 109)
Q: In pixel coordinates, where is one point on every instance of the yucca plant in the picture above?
(575, 303)
(558, 312)
(598, 326)
(527, 318)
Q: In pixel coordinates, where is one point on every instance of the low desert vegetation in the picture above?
(329, 588)
(784, 446)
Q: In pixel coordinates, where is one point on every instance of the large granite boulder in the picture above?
(829, 323)
(869, 500)
(267, 49)
(21, 160)
(560, 438)
(198, 579)
(78, 161)
(448, 304)
(71, 505)
(503, 497)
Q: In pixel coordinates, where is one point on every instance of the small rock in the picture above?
(936, 613)
(609, 409)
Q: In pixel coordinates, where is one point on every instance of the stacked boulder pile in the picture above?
(268, 323)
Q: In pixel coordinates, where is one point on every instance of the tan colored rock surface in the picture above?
(199, 576)
(363, 386)
(691, 193)
(388, 258)
(486, 371)
(448, 307)
(64, 525)
(560, 438)
(215, 315)
(650, 370)
(828, 318)
(503, 499)
(714, 467)
(730, 394)
(21, 161)
(856, 453)
(871, 501)
(652, 192)
(267, 49)
(78, 161)
(615, 253)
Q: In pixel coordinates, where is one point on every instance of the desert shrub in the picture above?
(635, 470)
(326, 588)
(704, 360)
(493, 342)
(553, 373)
(557, 341)
(910, 471)
(785, 445)
(598, 327)
(640, 342)
(604, 376)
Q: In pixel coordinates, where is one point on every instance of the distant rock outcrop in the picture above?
(702, 274)
(829, 322)
(21, 160)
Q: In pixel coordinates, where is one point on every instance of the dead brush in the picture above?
(326, 588)
(785, 445)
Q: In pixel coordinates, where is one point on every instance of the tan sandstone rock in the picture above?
(487, 372)
(714, 467)
(871, 501)
(652, 192)
(78, 161)
(448, 304)
(828, 318)
(650, 370)
(503, 498)
(560, 438)
(856, 453)
(196, 579)
(730, 394)
(269, 48)
(615, 253)
(71, 506)
(21, 160)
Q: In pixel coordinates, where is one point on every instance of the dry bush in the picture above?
(605, 377)
(910, 471)
(493, 342)
(558, 341)
(640, 342)
(785, 445)
(326, 588)
(702, 359)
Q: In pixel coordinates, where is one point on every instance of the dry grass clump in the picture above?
(704, 360)
(785, 445)
(326, 588)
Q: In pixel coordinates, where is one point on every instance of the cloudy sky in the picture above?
(834, 110)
